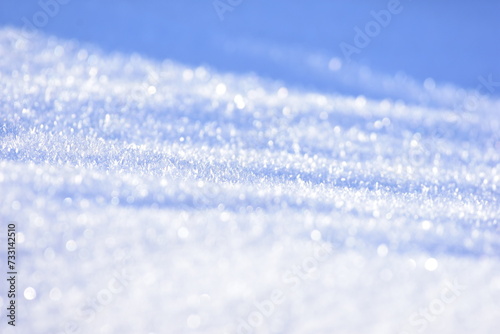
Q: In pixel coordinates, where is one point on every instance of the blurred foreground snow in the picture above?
(156, 198)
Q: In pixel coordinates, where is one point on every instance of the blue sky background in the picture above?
(449, 41)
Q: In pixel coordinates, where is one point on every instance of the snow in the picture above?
(156, 197)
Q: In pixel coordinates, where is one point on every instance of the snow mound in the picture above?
(151, 197)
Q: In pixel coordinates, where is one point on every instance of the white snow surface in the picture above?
(151, 197)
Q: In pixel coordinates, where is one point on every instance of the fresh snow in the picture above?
(154, 197)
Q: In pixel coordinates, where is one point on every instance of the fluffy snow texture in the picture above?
(155, 198)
